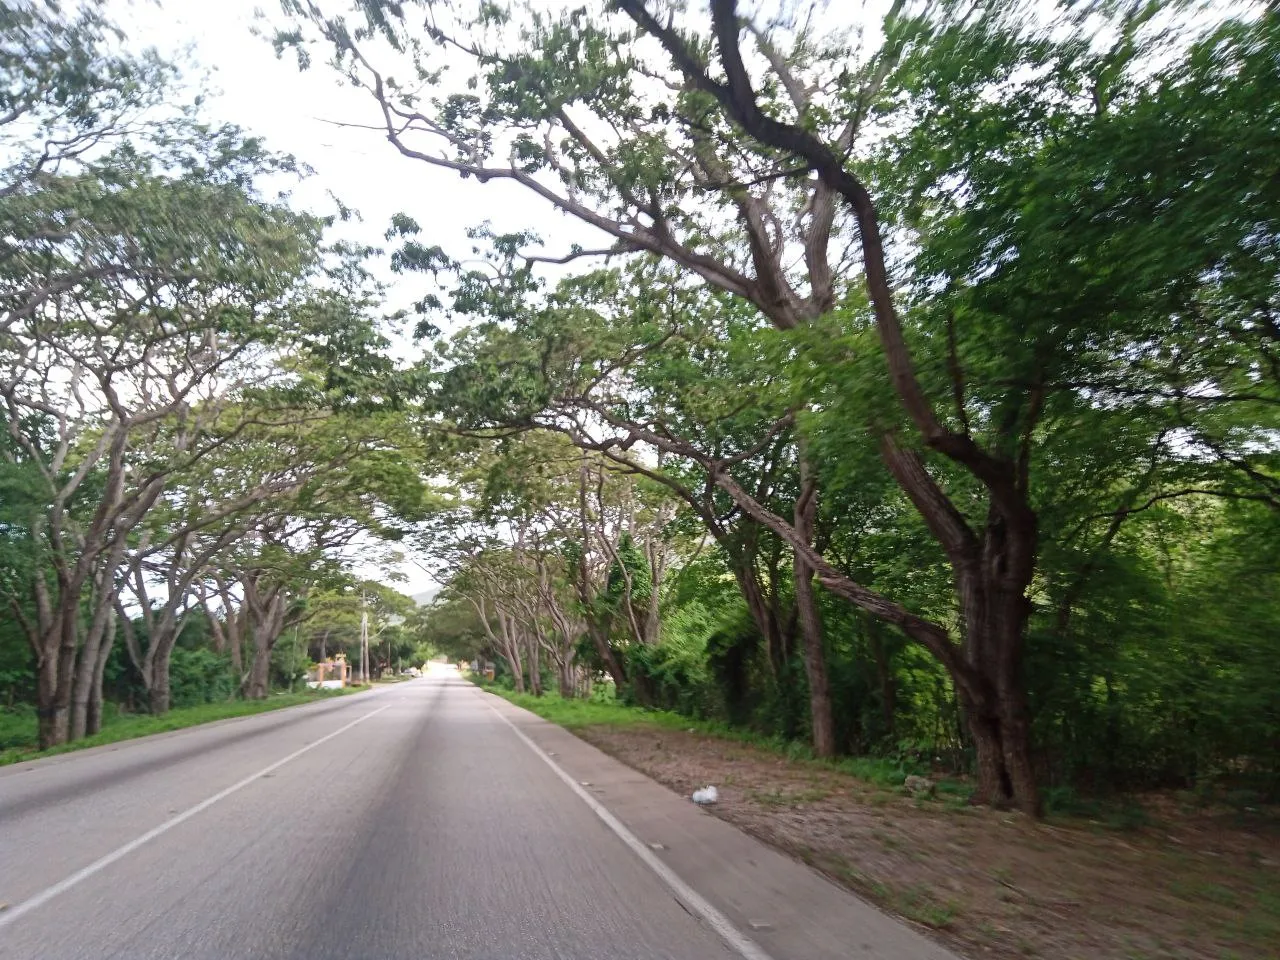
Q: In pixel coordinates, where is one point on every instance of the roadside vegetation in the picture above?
(19, 738)
(1175, 874)
(898, 390)
(185, 493)
(924, 408)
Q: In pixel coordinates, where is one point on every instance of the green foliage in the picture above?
(198, 676)
(673, 672)
(1166, 671)
(1081, 209)
(18, 728)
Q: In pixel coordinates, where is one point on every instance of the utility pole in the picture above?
(364, 640)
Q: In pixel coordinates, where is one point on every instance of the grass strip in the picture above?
(131, 725)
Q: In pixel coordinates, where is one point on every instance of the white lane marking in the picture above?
(692, 900)
(62, 886)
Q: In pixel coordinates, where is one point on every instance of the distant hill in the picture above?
(425, 597)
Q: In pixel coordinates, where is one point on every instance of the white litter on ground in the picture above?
(706, 795)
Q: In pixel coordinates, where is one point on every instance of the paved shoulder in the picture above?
(787, 909)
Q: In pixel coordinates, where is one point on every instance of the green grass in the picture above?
(918, 903)
(574, 714)
(593, 713)
(18, 729)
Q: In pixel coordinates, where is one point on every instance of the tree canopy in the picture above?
(911, 388)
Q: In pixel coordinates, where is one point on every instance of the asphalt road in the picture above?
(408, 823)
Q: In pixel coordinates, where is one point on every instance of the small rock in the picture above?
(706, 795)
(919, 786)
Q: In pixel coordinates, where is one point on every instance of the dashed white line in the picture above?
(62, 886)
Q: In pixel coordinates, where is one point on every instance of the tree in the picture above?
(111, 385)
(67, 95)
(765, 160)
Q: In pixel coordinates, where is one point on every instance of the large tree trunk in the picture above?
(535, 668)
(993, 600)
(993, 573)
(46, 703)
(87, 684)
(259, 684)
(93, 719)
(1002, 745)
(235, 644)
(815, 657)
(158, 696)
(567, 680)
(87, 674)
(264, 631)
(265, 621)
(54, 683)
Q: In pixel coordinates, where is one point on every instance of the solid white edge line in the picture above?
(62, 886)
(692, 900)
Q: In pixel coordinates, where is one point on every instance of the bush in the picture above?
(17, 726)
(200, 676)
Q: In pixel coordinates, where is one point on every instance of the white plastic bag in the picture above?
(706, 795)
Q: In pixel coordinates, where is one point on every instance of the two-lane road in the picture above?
(408, 823)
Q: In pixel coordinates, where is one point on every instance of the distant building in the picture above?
(329, 674)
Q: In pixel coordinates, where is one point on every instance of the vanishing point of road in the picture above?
(417, 821)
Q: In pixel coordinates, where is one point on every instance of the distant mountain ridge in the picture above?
(425, 597)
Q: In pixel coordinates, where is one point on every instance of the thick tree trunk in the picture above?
(259, 684)
(55, 679)
(517, 670)
(47, 720)
(815, 663)
(93, 719)
(762, 615)
(567, 681)
(993, 573)
(70, 635)
(158, 696)
(993, 600)
(81, 692)
(237, 652)
(815, 657)
(87, 673)
(535, 669)
(1002, 745)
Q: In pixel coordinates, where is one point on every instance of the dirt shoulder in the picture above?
(1191, 883)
